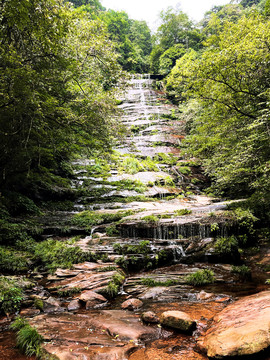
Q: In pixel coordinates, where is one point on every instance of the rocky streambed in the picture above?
(162, 276)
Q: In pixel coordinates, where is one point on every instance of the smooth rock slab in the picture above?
(177, 320)
(103, 334)
(242, 328)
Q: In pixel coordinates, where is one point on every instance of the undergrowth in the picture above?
(28, 339)
(201, 277)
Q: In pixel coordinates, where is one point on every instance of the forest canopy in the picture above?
(61, 62)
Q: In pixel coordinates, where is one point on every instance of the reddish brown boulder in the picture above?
(150, 317)
(132, 304)
(90, 296)
(177, 320)
(242, 328)
(74, 305)
(51, 305)
(204, 295)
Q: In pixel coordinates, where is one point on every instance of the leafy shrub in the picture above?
(53, 254)
(185, 170)
(28, 339)
(214, 227)
(243, 271)
(168, 159)
(112, 230)
(11, 261)
(201, 277)
(17, 203)
(112, 288)
(122, 262)
(245, 219)
(11, 232)
(11, 296)
(226, 245)
(131, 165)
(141, 248)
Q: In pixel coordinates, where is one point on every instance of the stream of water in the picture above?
(95, 333)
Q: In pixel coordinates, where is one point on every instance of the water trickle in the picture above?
(178, 253)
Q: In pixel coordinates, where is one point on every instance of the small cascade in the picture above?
(178, 253)
(193, 228)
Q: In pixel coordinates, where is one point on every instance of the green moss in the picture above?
(150, 219)
(39, 304)
(201, 277)
(226, 245)
(152, 282)
(88, 219)
(167, 159)
(106, 268)
(182, 212)
(69, 291)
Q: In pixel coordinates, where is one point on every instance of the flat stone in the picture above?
(152, 293)
(91, 296)
(87, 280)
(74, 305)
(132, 304)
(242, 328)
(150, 317)
(86, 266)
(63, 273)
(29, 312)
(177, 320)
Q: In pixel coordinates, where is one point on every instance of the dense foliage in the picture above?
(55, 67)
(175, 35)
(132, 38)
(227, 86)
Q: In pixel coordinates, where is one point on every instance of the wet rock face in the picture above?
(177, 320)
(106, 334)
(242, 328)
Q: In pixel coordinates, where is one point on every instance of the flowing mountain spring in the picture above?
(161, 273)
